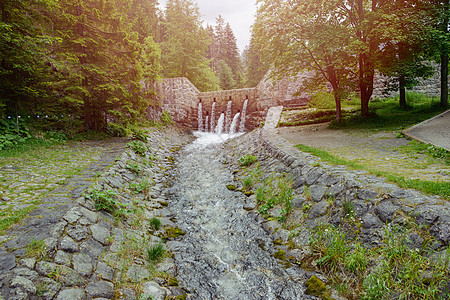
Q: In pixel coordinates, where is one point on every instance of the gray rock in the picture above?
(92, 248)
(23, 283)
(427, 214)
(386, 211)
(28, 262)
(127, 294)
(138, 273)
(104, 271)
(82, 264)
(46, 268)
(317, 192)
(299, 181)
(441, 229)
(100, 233)
(78, 232)
(313, 175)
(167, 266)
(154, 290)
(49, 288)
(271, 226)
(7, 261)
(62, 258)
(90, 215)
(71, 294)
(318, 209)
(336, 189)
(27, 273)
(58, 229)
(72, 215)
(371, 221)
(297, 201)
(68, 244)
(103, 289)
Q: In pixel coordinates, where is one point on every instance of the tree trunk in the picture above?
(402, 89)
(366, 74)
(338, 107)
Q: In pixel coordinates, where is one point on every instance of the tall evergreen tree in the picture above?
(254, 68)
(24, 55)
(185, 45)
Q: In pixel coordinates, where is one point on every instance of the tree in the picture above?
(299, 36)
(185, 45)
(255, 69)
(403, 57)
(24, 52)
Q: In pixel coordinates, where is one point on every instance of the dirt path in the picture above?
(381, 150)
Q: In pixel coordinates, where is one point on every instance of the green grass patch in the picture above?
(8, 216)
(429, 187)
(386, 113)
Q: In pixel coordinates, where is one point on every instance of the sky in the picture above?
(239, 13)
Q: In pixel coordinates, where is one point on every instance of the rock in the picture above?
(82, 264)
(441, 229)
(58, 229)
(318, 209)
(68, 244)
(167, 266)
(7, 261)
(28, 262)
(297, 201)
(104, 271)
(153, 290)
(23, 283)
(427, 214)
(103, 289)
(127, 294)
(71, 294)
(48, 288)
(371, 221)
(90, 215)
(138, 273)
(386, 211)
(100, 233)
(92, 248)
(271, 226)
(317, 192)
(46, 268)
(27, 273)
(62, 258)
(78, 232)
(72, 215)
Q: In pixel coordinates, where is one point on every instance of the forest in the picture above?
(78, 65)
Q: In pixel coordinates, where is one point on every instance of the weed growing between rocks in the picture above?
(247, 160)
(142, 187)
(394, 270)
(106, 200)
(154, 223)
(155, 252)
(138, 147)
(36, 249)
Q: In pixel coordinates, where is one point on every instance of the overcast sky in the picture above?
(239, 13)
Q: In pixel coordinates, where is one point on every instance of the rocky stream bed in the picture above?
(217, 243)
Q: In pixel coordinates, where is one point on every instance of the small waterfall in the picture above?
(234, 123)
(213, 115)
(219, 127)
(207, 124)
(200, 117)
(228, 116)
(244, 110)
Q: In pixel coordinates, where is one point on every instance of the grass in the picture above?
(154, 223)
(429, 187)
(155, 252)
(391, 271)
(36, 249)
(386, 113)
(247, 160)
(8, 217)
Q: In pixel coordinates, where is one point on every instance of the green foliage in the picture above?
(36, 249)
(134, 167)
(349, 209)
(140, 135)
(138, 147)
(322, 100)
(114, 129)
(247, 160)
(154, 223)
(142, 187)
(406, 273)
(13, 133)
(166, 118)
(9, 216)
(156, 252)
(184, 51)
(106, 200)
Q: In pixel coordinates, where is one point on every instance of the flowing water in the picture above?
(225, 254)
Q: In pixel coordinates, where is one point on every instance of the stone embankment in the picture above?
(321, 191)
(69, 249)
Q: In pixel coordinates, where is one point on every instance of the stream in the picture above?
(225, 254)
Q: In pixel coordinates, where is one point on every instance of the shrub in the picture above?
(138, 147)
(13, 134)
(140, 135)
(155, 252)
(166, 119)
(142, 187)
(154, 223)
(107, 201)
(247, 160)
(114, 129)
(322, 100)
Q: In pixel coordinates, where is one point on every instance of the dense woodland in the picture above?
(84, 64)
